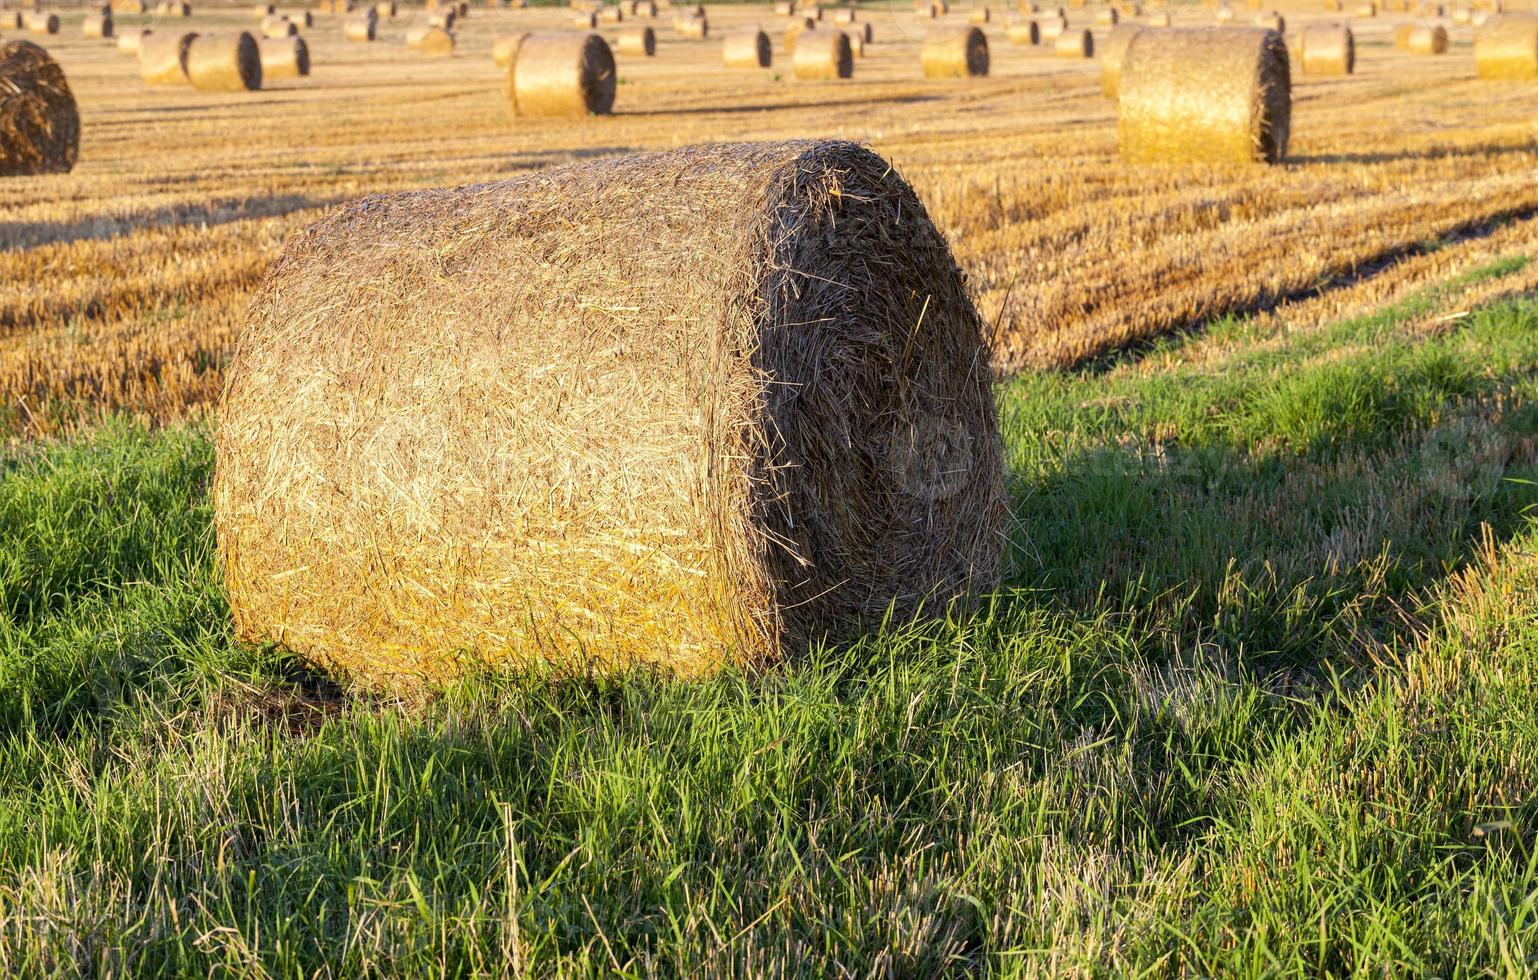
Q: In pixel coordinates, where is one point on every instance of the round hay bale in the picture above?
(611, 14)
(1328, 49)
(446, 18)
(1367, 10)
(504, 51)
(793, 34)
(955, 54)
(128, 41)
(1024, 32)
(1208, 96)
(823, 56)
(263, 10)
(1027, 7)
(173, 8)
(929, 11)
(645, 8)
(224, 63)
(784, 8)
(96, 25)
(284, 57)
(470, 466)
(856, 44)
(1402, 36)
(126, 7)
(844, 15)
(1462, 15)
(585, 20)
(640, 41)
(1108, 17)
(694, 25)
(1507, 48)
(1271, 21)
(747, 49)
(279, 27)
(43, 23)
(39, 122)
(385, 8)
(1074, 44)
(356, 28)
(979, 15)
(163, 57)
(1113, 54)
(861, 32)
(1427, 39)
(811, 10)
(301, 17)
(1052, 28)
(437, 42)
(563, 75)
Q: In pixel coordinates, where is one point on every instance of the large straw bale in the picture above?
(163, 57)
(640, 41)
(284, 57)
(514, 434)
(1024, 31)
(224, 63)
(1113, 55)
(955, 54)
(39, 122)
(504, 50)
(1427, 39)
(96, 25)
(822, 56)
(1508, 47)
(748, 48)
(1210, 96)
(1074, 44)
(563, 75)
(1327, 49)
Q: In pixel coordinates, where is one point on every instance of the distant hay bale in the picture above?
(1224, 14)
(844, 15)
(1109, 17)
(638, 41)
(692, 25)
(784, 8)
(1327, 49)
(128, 41)
(437, 42)
(861, 32)
(127, 7)
(263, 10)
(823, 56)
(928, 11)
(1113, 54)
(224, 63)
(522, 437)
(301, 17)
(163, 57)
(1462, 15)
(1024, 32)
(1052, 28)
(446, 19)
(747, 48)
(1507, 48)
(979, 15)
(43, 22)
(955, 54)
(504, 50)
(279, 27)
(385, 8)
(39, 121)
(1402, 36)
(794, 32)
(586, 20)
(1271, 21)
(1367, 10)
(356, 28)
(611, 14)
(1028, 8)
(1427, 39)
(173, 8)
(563, 75)
(645, 8)
(284, 57)
(1074, 44)
(96, 25)
(1205, 96)
(811, 10)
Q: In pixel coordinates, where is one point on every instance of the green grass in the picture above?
(1261, 697)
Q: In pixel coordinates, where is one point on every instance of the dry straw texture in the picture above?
(163, 57)
(823, 55)
(1427, 39)
(563, 75)
(357, 28)
(96, 25)
(224, 63)
(514, 433)
(1205, 96)
(39, 123)
(284, 57)
(1113, 54)
(1024, 32)
(278, 27)
(128, 41)
(1329, 49)
(504, 51)
(640, 41)
(955, 54)
(43, 23)
(747, 49)
(1074, 44)
(1508, 48)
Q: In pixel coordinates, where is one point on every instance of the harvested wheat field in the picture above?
(552, 506)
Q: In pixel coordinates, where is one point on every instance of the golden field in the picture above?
(125, 281)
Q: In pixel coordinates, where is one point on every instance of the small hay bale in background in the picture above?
(1427, 39)
(563, 75)
(1074, 44)
(794, 32)
(640, 41)
(96, 25)
(504, 50)
(39, 121)
(861, 32)
(1108, 17)
(1271, 21)
(128, 41)
(279, 27)
(385, 8)
(748, 48)
(42, 22)
(928, 11)
(979, 15)
(284, 57)
(1327, 49)
(646, 8)
(811, 10)
(585, 20)
(127, 7)
(844, 15)
(856, 44)
(358, 28)
(1507, 48)
(823, 56)
(163, 57)
(785, 8)
(1113, 54)
(301, 17)
(694, 25)
(224, 63)
(611, 14)
(446, 18)
(173, 8)
(437, 42)
(1052, 28)
(1023, 32)
(1224, 14)
(467, 467)
(1205, 96)
(1402, 37)
(1462, 15)
(955, 54)
(1367, 10)
(263, 10)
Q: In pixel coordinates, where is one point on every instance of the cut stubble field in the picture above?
(1259, 694)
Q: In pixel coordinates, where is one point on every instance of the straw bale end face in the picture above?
(39, 122)
(490, 446)
(955, 54)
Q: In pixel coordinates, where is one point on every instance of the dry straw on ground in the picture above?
(1074, 44)
(563, 75)
(1427, 39)
(224, 63)
(747, 49)
(1024, 32)
(284, 57)
(640, 41)
(513, 433)
(163, 57)
(955, 54)
(1205, 96)
(1113, 54)
(823, 56)
(1508, 47)
(504, 51)
(39, 122)
(1328, 49)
